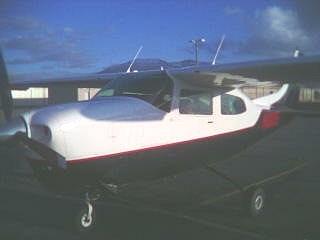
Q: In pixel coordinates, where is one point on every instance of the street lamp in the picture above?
(196, 43)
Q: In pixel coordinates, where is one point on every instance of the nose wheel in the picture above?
(86, 218)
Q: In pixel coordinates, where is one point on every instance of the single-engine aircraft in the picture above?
(152, 124)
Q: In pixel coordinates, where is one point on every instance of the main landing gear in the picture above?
(254, 198)
(254, 201)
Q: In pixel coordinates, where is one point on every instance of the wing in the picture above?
(93, 80)
(303, 70)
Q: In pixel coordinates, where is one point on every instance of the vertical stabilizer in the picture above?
(273, 98)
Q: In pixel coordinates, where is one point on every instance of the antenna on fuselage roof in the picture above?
(218, 50)
(134, 59)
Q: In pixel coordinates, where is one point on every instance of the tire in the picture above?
(255, 202)
(83, 223)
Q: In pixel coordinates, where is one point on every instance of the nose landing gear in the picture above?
(86, 218)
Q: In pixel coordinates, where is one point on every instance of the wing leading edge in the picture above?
(303, 70)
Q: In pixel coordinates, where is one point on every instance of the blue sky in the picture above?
(60, 37)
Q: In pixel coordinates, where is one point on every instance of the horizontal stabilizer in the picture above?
(296, 112)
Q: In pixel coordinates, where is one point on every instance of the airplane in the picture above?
(152, 124)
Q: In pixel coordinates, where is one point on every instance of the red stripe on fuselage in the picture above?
(82, 160)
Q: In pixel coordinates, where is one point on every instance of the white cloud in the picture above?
(277, 32)
(68, 30)
(282, 25)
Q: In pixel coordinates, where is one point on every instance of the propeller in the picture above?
(13, 126)
(5, 92)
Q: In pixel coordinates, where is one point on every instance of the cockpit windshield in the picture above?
(156, 89)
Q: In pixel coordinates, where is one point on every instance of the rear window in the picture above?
(232, 105)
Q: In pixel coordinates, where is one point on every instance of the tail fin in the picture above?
(273, 98)
(287, 100)
(5, 91)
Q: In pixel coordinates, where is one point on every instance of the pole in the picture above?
(196, 45)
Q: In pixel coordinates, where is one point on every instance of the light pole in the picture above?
(196, 43)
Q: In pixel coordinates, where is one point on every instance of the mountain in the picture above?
(144, 64)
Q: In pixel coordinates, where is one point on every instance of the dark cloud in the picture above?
(17, 61)
(36, 43)
(308, 12)
(44, 48)
(20, 24)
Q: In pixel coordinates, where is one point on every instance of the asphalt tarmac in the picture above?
(171, 208)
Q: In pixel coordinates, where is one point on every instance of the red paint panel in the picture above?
(269, 119)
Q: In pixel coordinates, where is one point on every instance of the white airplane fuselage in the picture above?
(124, 138)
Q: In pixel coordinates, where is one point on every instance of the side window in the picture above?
(163, 99)
(195, 102)
(232, 105)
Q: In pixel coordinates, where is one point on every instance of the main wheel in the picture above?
(255, 202)
(84, 222)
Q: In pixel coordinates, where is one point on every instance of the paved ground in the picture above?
(28, 212)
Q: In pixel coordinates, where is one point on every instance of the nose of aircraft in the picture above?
(9, 129)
